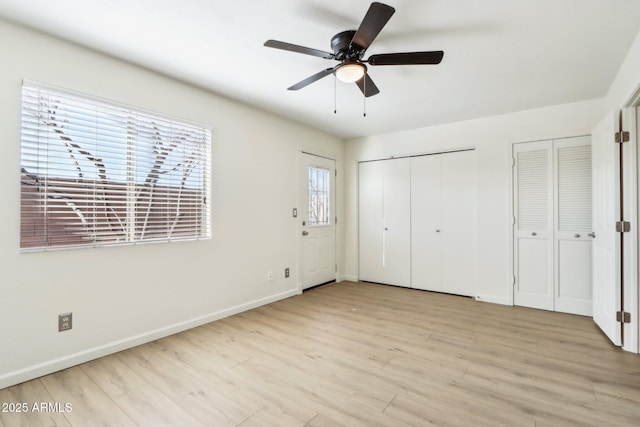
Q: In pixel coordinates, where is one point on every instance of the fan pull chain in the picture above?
(364, 98)
(335, 94)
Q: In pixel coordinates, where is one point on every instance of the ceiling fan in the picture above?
(349, 48)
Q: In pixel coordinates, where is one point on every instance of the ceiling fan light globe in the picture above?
(350, 73)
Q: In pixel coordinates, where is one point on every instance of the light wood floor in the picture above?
(355, 355)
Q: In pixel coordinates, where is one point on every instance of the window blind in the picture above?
(99, 173)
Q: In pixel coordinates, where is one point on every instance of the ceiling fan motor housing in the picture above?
(340, 45)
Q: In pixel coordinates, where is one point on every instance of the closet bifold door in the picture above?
(426, 223)
(370, 220)
(533, 225)
(384, 222)
(443, 231)
(459, 222)
(573, 226)
(397, 222)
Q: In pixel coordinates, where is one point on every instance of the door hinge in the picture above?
(335, 171)
(621, 137)
(336, 268)
(514, 280)
(513, 161)
(336, 218)
(623, 226)
(623, 317)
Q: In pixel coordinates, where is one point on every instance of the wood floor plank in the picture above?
(322, 420)
(430, 412)
(356, 354)
(149, 407)
(336, 404)
(196, 361)
(91, 405)
(113, 376)
(204, 402)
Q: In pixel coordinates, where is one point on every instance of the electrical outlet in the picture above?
(286, 272)
(269, 276)
(65, 321)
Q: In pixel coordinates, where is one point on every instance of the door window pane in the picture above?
(319, 209)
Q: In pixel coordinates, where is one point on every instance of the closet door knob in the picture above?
(437, 231)
(386, 229)
(593, 235)
(576, 235)
(534, 234)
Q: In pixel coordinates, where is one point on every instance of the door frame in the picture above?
(631, 291)
(299, 199)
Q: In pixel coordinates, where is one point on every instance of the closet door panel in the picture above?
(458, 222)
(573, 223)
(370, 221)
(533, 229)
(426, 236)
(397, 222)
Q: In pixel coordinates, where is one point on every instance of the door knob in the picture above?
(386, 229)
(576, 235)
(534, 234)
(592, 234)
(437, 231)
(305, 233)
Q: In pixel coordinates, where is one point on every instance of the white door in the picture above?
(385, 222)
(396, 259)
(318, 221)
(443, 222)
(573, 226)
(370, 219)
(533, 230)
(426, 220)
(458, 222)
(606, 211)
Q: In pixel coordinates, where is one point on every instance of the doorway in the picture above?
(317, 220)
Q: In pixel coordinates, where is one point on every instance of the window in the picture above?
(98, 173)
(319, 196)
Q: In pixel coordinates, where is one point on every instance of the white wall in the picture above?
(121, 296)
(627, 80)
(492, 137)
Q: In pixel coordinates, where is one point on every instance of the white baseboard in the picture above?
(493, 300)
(350, 278)
(45, 368)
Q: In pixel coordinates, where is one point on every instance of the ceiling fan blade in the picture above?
(311, 79)
(408, 58)
(376, 18)
(367, 86)
(298, 49)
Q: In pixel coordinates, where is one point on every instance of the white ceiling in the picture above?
(500, 55)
